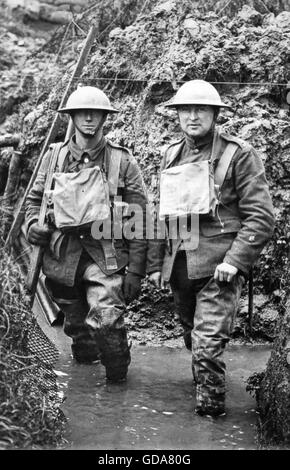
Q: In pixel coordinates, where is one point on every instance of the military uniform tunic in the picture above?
(244, 222)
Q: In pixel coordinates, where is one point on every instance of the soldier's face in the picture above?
(196, 120)
(88, 121)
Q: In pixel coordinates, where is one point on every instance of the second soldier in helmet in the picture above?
(219, 179)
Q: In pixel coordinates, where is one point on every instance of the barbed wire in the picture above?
(154, 81)
(82, 80)
(224, 7)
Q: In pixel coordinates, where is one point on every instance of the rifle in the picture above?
(19, 218)
(37, 252)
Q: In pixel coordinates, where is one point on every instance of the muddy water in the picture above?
(154, 409)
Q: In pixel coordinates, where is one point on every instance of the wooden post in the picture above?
(14, 230)
(10, 192)
(13, 175)
(3, 173)
(251, 301)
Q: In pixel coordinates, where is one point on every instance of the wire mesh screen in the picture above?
(40, 345)
(45, 356)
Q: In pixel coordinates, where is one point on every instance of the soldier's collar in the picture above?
(77, 153)
(197, 143)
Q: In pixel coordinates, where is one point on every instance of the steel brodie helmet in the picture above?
(197, 92)
(88, 97)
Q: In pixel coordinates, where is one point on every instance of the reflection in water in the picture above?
(154, 409)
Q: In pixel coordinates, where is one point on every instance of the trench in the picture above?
(154, 408)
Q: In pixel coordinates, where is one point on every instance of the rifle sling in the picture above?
(48, 183)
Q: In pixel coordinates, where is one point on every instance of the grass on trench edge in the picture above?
(30, 416)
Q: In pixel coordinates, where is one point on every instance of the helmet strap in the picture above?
(215, 116)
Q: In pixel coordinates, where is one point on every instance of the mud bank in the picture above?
(140, 66)
(273, 393)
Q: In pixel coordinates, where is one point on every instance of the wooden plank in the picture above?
(251, 301)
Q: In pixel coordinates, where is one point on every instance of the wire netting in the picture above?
(45, 357)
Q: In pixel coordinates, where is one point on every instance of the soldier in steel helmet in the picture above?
(215, 184)
(91, 277)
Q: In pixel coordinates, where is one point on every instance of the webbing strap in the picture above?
(61, 158)
(114, 160)
(110, 254)
(113, 171)
(48, 182)
(224, 163)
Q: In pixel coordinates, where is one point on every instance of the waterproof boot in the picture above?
(116, 375)
(115, 352)
(209, 401)
(84, 352)
(85, 349)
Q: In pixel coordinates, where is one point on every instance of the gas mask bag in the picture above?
(80, 198)
(187, 189)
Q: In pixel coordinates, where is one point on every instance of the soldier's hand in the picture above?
(157, 280)
(225, 272)
(39, 235)
(132, 286)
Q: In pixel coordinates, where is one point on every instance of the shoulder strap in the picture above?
(224, 163)
(63, 151)
(113, 160)
(48, 182)
(114, 171)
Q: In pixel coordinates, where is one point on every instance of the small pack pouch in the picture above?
(80, 198)
(187, 189)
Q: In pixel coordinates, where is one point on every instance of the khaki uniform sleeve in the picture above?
(256, 211)
(135, 195)
(34, 198)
